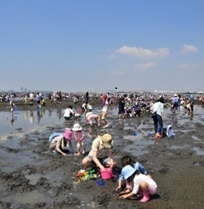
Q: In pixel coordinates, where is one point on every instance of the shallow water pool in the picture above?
(28, 120)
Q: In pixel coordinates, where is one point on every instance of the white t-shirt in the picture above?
(31, 96)
(142, 178)
(67, 112)
(158, 107)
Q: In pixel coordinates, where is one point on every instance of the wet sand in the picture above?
(32, 177)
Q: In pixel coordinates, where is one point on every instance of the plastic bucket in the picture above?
(107, 174)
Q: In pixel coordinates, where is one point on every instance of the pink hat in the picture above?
(67, 134)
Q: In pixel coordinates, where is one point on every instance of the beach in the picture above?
(33, 177)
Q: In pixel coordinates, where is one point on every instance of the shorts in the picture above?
(103, 116)
(67, 118)
(103, 160)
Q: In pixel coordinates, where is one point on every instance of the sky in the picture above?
(98, 45)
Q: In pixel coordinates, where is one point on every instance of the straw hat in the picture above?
(107, 140)
(77, 127)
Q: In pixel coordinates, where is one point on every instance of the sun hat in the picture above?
(67, 134)
(107, 140)
(127, 171)
(175, 95)
(77, 127)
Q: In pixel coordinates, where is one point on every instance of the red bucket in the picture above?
(107, 174)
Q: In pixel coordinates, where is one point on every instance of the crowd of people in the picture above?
(133, 180)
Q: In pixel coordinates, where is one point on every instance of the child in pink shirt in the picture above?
(79, 137)
(90, 117)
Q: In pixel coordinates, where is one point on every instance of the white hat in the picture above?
(77, 127)
(175, 95)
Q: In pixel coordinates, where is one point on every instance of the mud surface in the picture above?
(32, 177)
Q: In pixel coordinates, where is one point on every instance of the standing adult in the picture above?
(157, 111)
(121, 106)
(103, 99)
(175, 102)
(104, 113)
(87, 97)
(12, 106)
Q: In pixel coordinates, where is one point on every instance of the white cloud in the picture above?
(142, 52)
(189, 48)
(145, 66)
(185, 66)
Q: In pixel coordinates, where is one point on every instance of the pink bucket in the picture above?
(107, 174)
